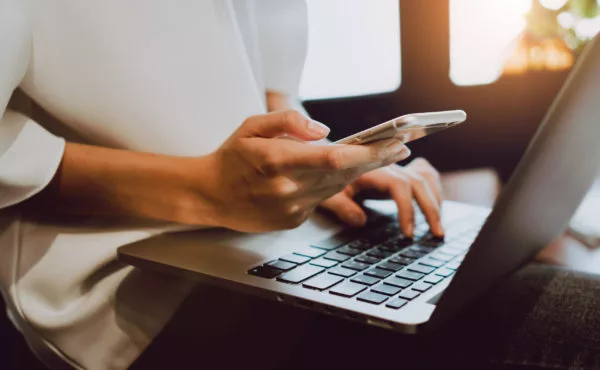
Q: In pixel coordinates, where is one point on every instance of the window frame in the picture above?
(503, 115)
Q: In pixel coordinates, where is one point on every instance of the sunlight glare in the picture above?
(553, 4)
(481, 33)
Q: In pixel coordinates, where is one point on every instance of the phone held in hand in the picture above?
(408, 128)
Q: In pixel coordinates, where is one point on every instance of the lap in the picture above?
(541, 316)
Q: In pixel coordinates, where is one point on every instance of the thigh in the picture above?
(220, 329)
(540, 317)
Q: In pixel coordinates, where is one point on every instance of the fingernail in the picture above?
(394, 148)
(402, 155)
(318, 128)
(439, 231)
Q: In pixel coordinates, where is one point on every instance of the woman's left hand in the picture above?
(418, 180)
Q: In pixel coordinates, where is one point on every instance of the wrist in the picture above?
(195, 199)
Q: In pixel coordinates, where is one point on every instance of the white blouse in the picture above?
(166, 76)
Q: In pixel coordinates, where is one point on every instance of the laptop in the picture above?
(376, 276)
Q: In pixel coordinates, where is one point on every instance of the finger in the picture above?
(428, 203)
(283, 123)
(425, 169)
(397, 186)
(348, 176)
(432, 183)
(367, 157)
(401, 193)
(346, 209)
(275, 156)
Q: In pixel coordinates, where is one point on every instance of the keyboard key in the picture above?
(411, 254)
(322, 262)
(444, 272)
(410, 275)
(386, 289)
(364, 279)
(449, 251)
(294, 258)
(378, 253)
(460, 245)
(335, 256)
(466, 239)
(441, 256)
(347, 250)
(282, 265)
(340, 271)
(389, 248)
(378, 273)
(396, 303)
(453, 265)
(334, 241)
(409, 294)
(347, 289)
(431, 240)
(419, 248)
(421, 268)
(433, 279)
(421, 287)
(266, 272)
(322, 282)
(367, 259)
(310, 252)
(399, 282)
(361, 244)
(372, 297)
(390, 266)
(398, 242)
(354, 265)
(301, 273)
(401, 260)
(431, 262)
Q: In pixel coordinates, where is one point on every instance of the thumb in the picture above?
(284, 123)
(346, 209)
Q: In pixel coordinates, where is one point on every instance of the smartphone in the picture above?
(408, 128)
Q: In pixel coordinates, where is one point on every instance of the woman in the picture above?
(160, 125)
(160, 115)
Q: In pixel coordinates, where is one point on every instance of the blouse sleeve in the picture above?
(283, 38)
(29, 155)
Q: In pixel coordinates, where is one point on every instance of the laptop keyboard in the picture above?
(377, 267)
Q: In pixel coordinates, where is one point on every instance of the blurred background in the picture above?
(502, 61)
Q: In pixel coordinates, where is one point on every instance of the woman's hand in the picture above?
(266, 177)
(419, 181)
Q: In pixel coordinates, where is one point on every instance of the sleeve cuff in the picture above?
(29, 161)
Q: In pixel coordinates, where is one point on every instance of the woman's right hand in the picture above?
(267, 176)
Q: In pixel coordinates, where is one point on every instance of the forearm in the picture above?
(101, 181)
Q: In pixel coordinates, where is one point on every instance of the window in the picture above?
(503, 37)
(354, 48)
(481, 33)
